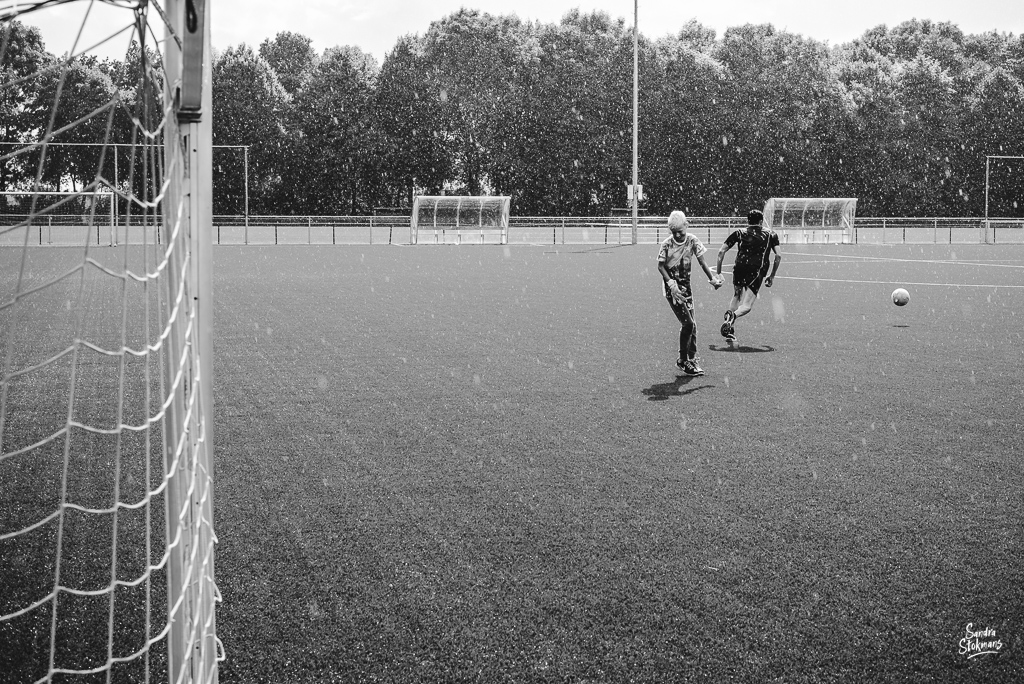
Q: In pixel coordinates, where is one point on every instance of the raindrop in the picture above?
(779, 309)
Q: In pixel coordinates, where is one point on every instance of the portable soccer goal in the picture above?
(61, 218)
(106, 410)
(460, 219)
(812, 219)
(1004, 199)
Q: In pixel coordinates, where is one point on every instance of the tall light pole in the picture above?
(636, 100)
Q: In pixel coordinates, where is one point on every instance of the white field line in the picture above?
(898, 282)
(956, 262)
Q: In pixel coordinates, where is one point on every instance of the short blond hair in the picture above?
(677, 219)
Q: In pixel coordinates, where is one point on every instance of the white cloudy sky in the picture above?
(374, 25)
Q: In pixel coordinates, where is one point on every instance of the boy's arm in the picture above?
(721, 256)
(775, 267)
(713, 278)
(664, 273)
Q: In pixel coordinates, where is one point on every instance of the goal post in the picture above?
(1006, 209)
(459, 219)
(57, 218)
(812, 219)
(106, 358)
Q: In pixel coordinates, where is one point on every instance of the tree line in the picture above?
(901, 118)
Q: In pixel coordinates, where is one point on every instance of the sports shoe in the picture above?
(691, 368)
(730, 317)
(730, 340)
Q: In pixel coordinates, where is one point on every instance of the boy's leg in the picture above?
(730, 313)
(691, 341)
(749, 296)
(687, 332)
(737, 294)
(746, 303)
(687, 340)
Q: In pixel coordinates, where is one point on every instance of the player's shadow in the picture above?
(742, 348)
(677, 388)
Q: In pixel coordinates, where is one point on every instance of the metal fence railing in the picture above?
(523, 230)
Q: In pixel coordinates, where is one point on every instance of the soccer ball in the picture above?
(900, 297)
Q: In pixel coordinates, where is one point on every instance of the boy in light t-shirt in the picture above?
(674, 265)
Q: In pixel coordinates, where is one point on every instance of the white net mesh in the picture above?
(106, 541)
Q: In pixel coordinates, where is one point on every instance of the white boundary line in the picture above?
(956, 262)
(898, 282)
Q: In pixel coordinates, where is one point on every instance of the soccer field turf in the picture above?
(480, 464)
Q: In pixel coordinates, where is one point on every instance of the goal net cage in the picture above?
(812, 219)
(451, 219)
(106, 411)
(61, 218)
(1004, 199)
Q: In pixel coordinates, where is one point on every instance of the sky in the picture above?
(375, 25)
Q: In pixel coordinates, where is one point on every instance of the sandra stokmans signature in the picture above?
(979, 642)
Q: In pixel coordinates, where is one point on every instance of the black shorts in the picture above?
(748, 278)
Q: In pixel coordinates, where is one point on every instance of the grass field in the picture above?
(480, 464)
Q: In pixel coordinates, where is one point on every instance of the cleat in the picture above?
(730, 317)
(691, 368)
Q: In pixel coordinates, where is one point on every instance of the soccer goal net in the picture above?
(1004, 199)
(57, 218)
(106, 517)
(460, 219)
(812, 219)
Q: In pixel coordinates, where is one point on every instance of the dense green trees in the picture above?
(901, 118)
(24, 55)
